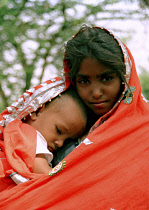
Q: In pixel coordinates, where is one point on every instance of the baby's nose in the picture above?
(59, 143)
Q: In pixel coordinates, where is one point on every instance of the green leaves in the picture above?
(144, 79)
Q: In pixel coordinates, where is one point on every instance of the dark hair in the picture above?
(96, 43)
(73, 94)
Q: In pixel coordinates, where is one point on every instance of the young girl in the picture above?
(110, 171)
(45, 129)
(98, 66)
(102, 70)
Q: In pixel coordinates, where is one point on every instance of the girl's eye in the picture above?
(82, 81)
(106, 78)
(58, 130)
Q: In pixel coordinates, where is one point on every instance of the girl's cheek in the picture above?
(84, 95)
(83, 92)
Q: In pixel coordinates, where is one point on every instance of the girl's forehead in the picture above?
(92, 66)
(99, 74)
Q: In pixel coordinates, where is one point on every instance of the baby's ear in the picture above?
(34, 115)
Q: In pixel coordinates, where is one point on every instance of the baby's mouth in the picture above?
(50, 149)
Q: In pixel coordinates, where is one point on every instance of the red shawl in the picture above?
(109, 173)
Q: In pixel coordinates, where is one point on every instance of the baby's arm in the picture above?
(41, 165)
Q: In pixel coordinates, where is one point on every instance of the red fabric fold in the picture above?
(18, 151)
(109, 173)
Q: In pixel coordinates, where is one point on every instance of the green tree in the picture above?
(32, 34)
(144, 79)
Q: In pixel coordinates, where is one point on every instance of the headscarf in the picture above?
(32, 100)
(18, 139)
(127, 94)
(109, 170)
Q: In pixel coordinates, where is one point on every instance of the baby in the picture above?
(41, 131)
(63, 118)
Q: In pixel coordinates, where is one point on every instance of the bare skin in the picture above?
(98, 86)
(60, 120)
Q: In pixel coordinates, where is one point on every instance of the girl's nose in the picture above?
(59, 143)
(96, 91)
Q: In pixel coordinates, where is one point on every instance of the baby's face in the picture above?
(60, 121)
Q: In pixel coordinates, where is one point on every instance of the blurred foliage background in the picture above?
(32, 34)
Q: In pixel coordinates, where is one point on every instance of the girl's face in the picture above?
(98, 86)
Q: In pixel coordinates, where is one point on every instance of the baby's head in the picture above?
(62, 118)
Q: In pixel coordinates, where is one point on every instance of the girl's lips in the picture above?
(98, 104)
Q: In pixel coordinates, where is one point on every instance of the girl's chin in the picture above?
(100, 112)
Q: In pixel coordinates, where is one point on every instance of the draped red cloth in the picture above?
(17, 153)
(109, 173)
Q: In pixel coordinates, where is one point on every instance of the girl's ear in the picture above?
(35, 115)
